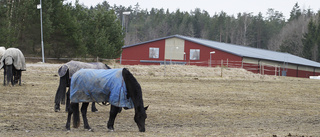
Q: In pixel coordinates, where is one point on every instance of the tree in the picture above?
(289, 38)
(4, 30)
(104, 34)
(7, 28)
(309, 40)
(318, 38)
(28, 24)
(257, 36)
(200, 23)
(295, 12)
(65, 37)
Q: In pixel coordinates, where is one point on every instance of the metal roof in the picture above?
(244, 51)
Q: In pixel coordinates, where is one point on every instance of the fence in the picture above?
(32, 59)
(261, 68)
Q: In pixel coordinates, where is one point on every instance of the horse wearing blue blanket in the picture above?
(116, 86)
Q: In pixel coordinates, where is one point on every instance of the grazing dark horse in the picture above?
(13, 63)
(116, 86)
(65, 72)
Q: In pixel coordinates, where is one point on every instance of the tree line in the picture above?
(68, 31)
(101, 31)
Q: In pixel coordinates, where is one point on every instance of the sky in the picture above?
(231, 7)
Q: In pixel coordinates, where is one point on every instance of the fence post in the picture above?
(241, 63)
(221, 68)
(262, 69)
(227, 62)
(221, 62)
(165, 62)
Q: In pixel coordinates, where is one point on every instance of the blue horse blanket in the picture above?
(100, 85)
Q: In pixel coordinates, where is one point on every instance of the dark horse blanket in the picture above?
(13, 56)
(74, 66)
(99, 85)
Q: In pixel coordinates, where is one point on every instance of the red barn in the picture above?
(179, 49)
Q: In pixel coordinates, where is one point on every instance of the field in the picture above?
(183, 101)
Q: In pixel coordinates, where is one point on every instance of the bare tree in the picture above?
(289, 38)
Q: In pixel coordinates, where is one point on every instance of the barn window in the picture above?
(154, 53)
(194, 54)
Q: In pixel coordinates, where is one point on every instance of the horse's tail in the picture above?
(76, 114)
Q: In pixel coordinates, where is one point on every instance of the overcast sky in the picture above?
(231, 7)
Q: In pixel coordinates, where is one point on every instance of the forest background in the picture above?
(100, 31)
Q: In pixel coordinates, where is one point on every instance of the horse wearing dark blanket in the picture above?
(116, 86)
(65, 72)
(14, 63)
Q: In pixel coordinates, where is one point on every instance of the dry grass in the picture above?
(184, 101)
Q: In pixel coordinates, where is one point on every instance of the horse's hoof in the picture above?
(90, 130)
(94, 110)
(56, 108)
(110, 129)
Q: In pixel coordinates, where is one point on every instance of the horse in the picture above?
(116, 86)
(2, 50)
(14, 63)
(65, 72)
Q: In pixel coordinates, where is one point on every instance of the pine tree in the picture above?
(309, 40)
(295, 12)
(4, 32)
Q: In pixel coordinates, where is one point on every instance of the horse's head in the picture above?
(140, 118)
(134, 91)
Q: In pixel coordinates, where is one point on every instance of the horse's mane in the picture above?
(133, 88)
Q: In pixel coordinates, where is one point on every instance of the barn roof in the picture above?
(244, 51)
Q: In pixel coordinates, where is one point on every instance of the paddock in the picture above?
(184, 101)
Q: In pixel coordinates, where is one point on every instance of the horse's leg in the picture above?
(70, 111)
(15, 75)
(56, 103)
(4, 74)
(68, 100)
(84, 108)
(113, 114)
(9, 74)
(76, 114)
(19, 76)
(93, 107)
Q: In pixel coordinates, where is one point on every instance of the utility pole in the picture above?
(42, 49)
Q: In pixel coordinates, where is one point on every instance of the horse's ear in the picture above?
(107, 66)
(145, 108)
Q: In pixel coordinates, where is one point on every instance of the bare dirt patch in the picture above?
(184, 101)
